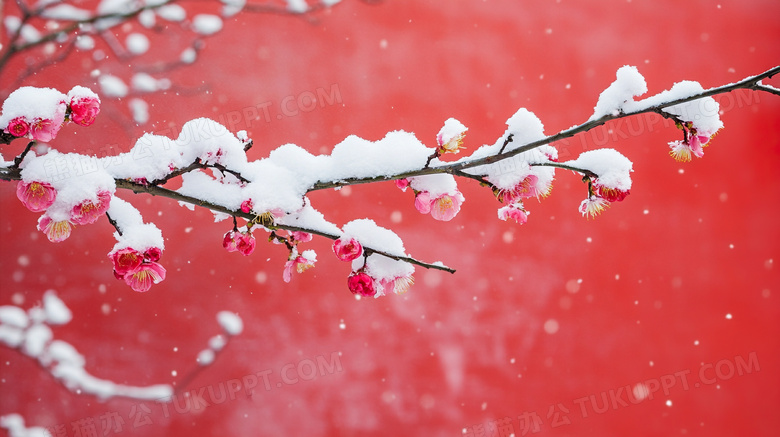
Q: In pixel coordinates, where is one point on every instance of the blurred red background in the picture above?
(559, 321)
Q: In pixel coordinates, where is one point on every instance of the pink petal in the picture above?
(287, 273)
(347, 251)
(147, 275)
(36, 196)
(422, 201)
(445, 207)
(55, 231)
(126, 261)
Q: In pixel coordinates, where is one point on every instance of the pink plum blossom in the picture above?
(684, 152)
(139, 270)
(347, 251)
(147, 274)
(422, 201)
(446, 206)
(84, 109)
(450, 137)
(361, 283)
(403, 184)
(528, 187)
(301, 237)
(399, 285)
(18, 127)
(246, 244)
(153, 254)
(45, 129)
(593, 206)
(242, 242)
(230, 241)
(246, 206)
(56, 231)
(36, 196)
(89, 211)
(693, 144)
(211, 157)
(680, 151)
(612, 194)
(697, 143)
(443, 207)
(449, 145)
(126, 261)
(515, 212)
(300, 263)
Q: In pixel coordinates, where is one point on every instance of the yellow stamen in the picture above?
(302, 267)
(58, 231)
(444, 204)
(265, 219)
(36, 189)
(402, 284)
(682, 154)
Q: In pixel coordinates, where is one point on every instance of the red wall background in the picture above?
(639, 295)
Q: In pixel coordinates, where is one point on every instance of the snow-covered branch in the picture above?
(52, 31)
(30, 333)
(270, 194)
(120, 35)
(659, 107)
(155, 190)
(25, 37)
(73, 22)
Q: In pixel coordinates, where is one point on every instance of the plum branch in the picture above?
(271, 193)
(13, 173)
(29, 333)
(83, 22)
(170, 194)
(456, 169)
(27, 14)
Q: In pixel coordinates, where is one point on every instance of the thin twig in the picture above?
(12, 48)
(191, 375)
(195, 165)
(564, 166)
(768, 88)
(506, 141)
(65, 50)
(430, 158)
(6, 138)
(114, 223)
(18, 160)
(167, 66)
(224, 169)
